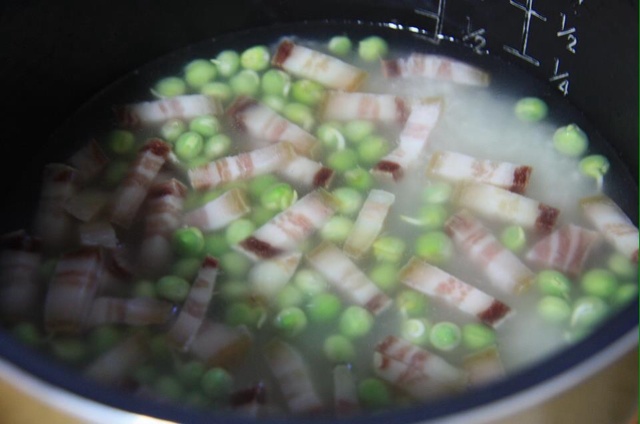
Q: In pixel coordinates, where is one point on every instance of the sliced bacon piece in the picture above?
(431, 365)
(98, 233)
(616, 227)
(185, 329)
(184, 107)
(249, 401)
(90, 160)
(292, 375)
(502, 267)
(219, 345)
(219, 212)
(566, 249)
(72, 290)
(117, 270)
(329, 71)
(267, 278)
(133, 189)
(347, 278)
(407, 378)
(345, 393)
(52, 223)
(241, 167)
(484, 367)
(137, 311)
(87, 204)
(20, 258)
(385, 108)
(307, 173)
(413, 140)
(264, 124)
(369, 223)
(285, 231)
(439, 284)
(115, 366)
(435, 67)
(456, 167)
(504, 205)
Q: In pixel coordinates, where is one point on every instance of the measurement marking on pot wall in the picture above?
(438, 17)
(529, 12)
(475, 38)
(569, 33)
(561, 77)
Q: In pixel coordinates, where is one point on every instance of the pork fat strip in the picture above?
(407, 378)
(483, 367)
(290, 371)
(413, 140)
(98, 233)
(263, 124)
(329, 71)
(87, 204)
(566, 249)
(184, 107)
(285, 231)
(117, 270)
(268, 278)
(435, 67)
(347, 278)
(504, 205)
(136, 311)
(241, 167)
(219, 212)
(133, 189)
(385, 108)
(307, 173)
(20, 258)
(116, 365)
(194, 309)
(345, 392)
(369, 223)
(502, 267)
(456, 167)
(52, 224)
(439, 284)
(89, 160)
(217, 344)
(72, 289)
(607, 217)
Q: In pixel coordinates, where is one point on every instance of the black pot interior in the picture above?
(55, 57)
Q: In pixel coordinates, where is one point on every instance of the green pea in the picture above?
(190, 373)
(234, 264)
(159, 349)
(385, 276)
(359, 130)
(69, 349)
(170, 87)
(416, 331)
(445, 336)
(188, 241)
(337, 229)
(340, 45)
(121, 142)
(373, 393)
(186, 268)
(239, 230)
(217, 90)
(411, 303)
(172, 129)
(255, 58)
(372, 48)
(261, 183)
(278, 197)
(389, 248)
(276, 82)
(599, 282)
(355, 322)
(358, 178)
(594, 166)
(27, 333)
(216, 383)
(621, 265)
(168, 387)
(145, 374)
(438, 192)
(349, 200)
(330, 135)
(189, 145)
(588, 311)
(234, 290)
(227, 62)
(310, 282)
(299, 114)
(554, 309)
(434, 246)
(290, 321)
(276, 103)
(215, 244)
(173, 288)
(261, 215)
(115, 173)
(144, 288)
(553, 283)
(205, 125)
(197, 399)
(477, 336)
(531, 109)
(103, 338)
(289, 296)
(342, 160)
(430, 217)
(241, 313)
(216, 146)
(199, 72)
(339, 349)
(245, 82)
(323, 307)
(307, 92)
(570, 140)
(372, 149)
(624, 294)
(513, 238)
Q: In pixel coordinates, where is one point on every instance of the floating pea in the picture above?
(331, 136)
(276, 103)
(216, 383)
(173, 288)
(199, 72)
(349, 200)
(310, 282)
(514, 238)
(190, 373)
(216, 146)
(144, 288)
(372, 149)
(340, 45)
(385, 276)
(372, 48)
(621, 265)
(215, 244)
(434, 246)
(416, 331)
(205, 125)
(339, 349)
(323, 307)
(445, 336)
(289, 296)
(554, 309)
(594, 166)
(121, 142)
(170, 87)
(234, 290)
(227, 63)
(27, 333)
(357, 131)
(343, 160)
(245, 82)
(373, 393)
(389, 248)
(553, 283)
(624, 294)
(218, 90)
(570, 140)
(299, 114)
(188, 241)
(355, 322)
(290, 321)
(531, 109)
(234, 264)
(307, 92)
(278, 196)
(588, 311)
(358, 178)
(599, 282)
(186, 268)
(438, 192)
(239, 230)
(255, 58)
(189, 145)
(172, 129)
(411, 303)
(168, 387)
(476, 336)
(337, 229)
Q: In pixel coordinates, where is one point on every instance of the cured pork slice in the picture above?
(306, 172)
(98, 233)
(219, 212)
(344, 106)
(439, 284)
(217, 344)
(456, 167)
(116, 365)
(241, 167)
(407, 378)
(611, 221)
(117, 270)
(413, 139)
(292, 375)
(264, 124)
(345, 392)
(502, 267)
(194, 309)
(347, 278)
(484, 367)
(87, 204)
(369, 223)
(307, 63)
(72, 290)
(285, 231)
(89, 160)
(135, 186)
(436, 67)
(137, 311)
(566, 249)
(500, 204)
(184, 107)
